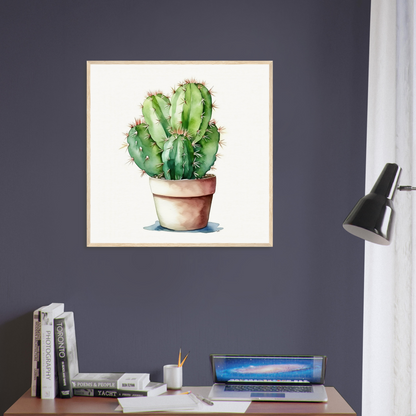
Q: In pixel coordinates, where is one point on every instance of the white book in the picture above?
(47, 346)
(122, 381)
(155, 389)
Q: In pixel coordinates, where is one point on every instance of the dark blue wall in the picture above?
(135, 307)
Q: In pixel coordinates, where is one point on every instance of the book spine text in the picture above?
(85, 384)
(62, 364)
(48, 370)
(91, 392)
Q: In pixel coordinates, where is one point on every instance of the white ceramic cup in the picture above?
(172, 376)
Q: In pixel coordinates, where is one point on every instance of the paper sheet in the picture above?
(223, 407)
(167, 403)
(219, 407)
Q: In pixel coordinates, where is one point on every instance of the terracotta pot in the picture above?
(183, 204)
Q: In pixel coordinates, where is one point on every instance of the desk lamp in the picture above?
(372, 217)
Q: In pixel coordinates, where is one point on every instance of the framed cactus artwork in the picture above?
(179, 153)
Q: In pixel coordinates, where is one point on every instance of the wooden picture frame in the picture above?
(120, 207)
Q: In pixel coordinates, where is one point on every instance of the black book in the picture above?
(65, 353)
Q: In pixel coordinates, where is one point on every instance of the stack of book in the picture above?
(55, 370)
(116, 385)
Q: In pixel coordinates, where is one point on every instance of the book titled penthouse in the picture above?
(47, 346)
(66, 353)
(121, 381)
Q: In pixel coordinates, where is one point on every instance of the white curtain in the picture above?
(389, 348)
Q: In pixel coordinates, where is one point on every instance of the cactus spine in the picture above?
(156, 113)
(206, 151)
(144, 150)
(177, 139)
(178, 156)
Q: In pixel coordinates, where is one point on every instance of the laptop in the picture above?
(291, 378)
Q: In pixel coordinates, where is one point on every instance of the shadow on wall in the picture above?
(15, 359)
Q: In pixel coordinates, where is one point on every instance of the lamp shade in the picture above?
(372, 216)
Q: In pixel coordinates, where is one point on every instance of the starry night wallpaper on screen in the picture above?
(269, 369)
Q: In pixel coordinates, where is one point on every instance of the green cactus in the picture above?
(177, 139)
(156, 113)
(178, 157)
(191, 109)
(144, 150)
(206, 151)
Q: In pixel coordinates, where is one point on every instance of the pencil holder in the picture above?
(172, 376)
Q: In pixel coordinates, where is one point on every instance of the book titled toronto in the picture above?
(66, 353)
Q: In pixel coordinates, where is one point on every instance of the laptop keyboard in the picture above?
(269, 388)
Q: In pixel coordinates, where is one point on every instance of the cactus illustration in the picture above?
(144, 150)
(176, 138)
(178, 156)
(206, 151)
(156, 113)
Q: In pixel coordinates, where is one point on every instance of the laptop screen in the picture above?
(228, 368)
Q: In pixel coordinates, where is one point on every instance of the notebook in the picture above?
(268, 377)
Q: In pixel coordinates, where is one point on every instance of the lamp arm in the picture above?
(406, 188)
